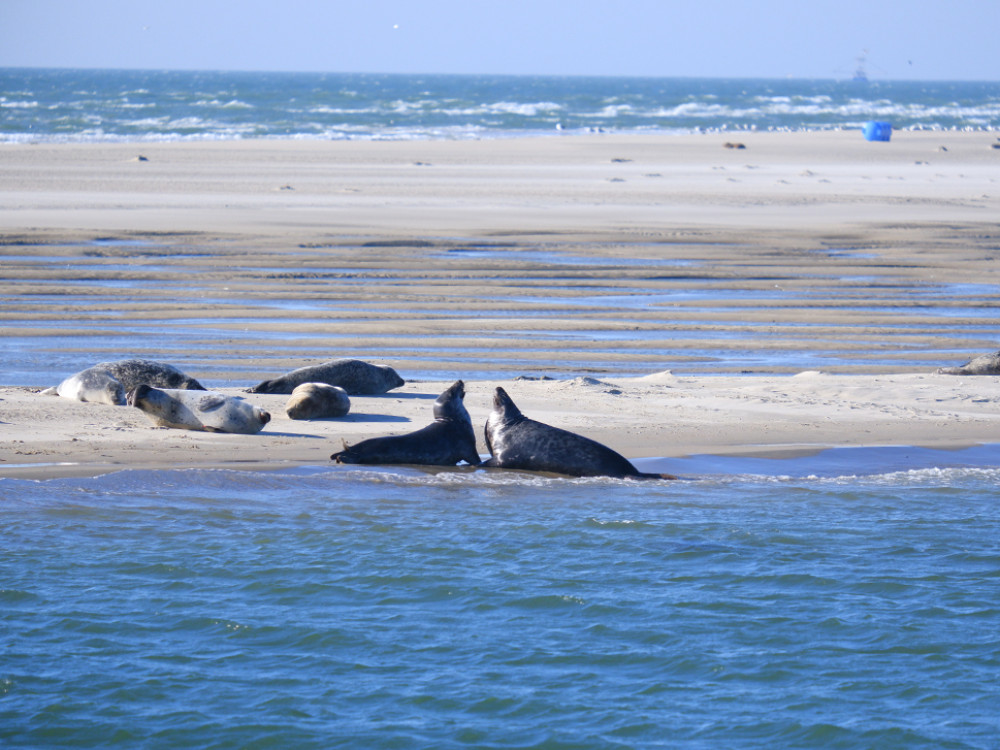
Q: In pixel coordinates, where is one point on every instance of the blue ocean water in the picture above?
(395, 608)
(844, 600)
(114, 105)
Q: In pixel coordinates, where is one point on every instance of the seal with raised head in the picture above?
(95, 384)
(317, 401)
(132, 372)
(984, 364)
(198, 410)
(354, 376)
(516, 442)
(450, 438)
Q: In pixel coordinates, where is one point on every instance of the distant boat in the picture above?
(860, 74)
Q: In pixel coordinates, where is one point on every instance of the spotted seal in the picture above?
(354, 376)
(132, 372)
(95, 384)
(111, 382)
(516, 442)
(317, 401)
(450, 438)
(198, 410)
(984, 364)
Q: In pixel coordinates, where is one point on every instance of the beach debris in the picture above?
(140, 157)
(984, 364)
(730, 144)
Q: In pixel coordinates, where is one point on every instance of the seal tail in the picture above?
(646, 475)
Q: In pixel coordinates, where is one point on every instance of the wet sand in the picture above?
(722, 274)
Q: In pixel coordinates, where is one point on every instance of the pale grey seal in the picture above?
(450, 438)
(984, 364)
(198, 410)
(354, 376)
(316, 401)
(516, 442)
(95, 384)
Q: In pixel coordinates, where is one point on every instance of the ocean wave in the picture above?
(207, 106)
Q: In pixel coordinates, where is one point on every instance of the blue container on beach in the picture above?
(877, 131)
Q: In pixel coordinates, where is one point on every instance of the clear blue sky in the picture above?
(933, 39)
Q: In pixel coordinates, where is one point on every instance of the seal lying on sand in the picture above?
(132, 372)
(450, 438)
(95, 384)
(516, 442)
(354, 376)
(111, 382)
(198, 410)
(985, 364)
(316, 401)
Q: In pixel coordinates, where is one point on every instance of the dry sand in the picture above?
(807, 221)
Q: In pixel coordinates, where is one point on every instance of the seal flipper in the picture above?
(646, 475)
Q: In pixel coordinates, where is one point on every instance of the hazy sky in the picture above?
(734, 38)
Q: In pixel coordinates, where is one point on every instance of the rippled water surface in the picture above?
(799, 603)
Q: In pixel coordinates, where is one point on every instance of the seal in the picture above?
(450, 438)
(984, 364)
(354, 376)
(316, 401)
(516, 442)
(198, 410)
(132, 372)
(95, 384)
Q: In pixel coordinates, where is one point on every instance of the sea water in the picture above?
(834, 601)
(114, 105)
(849, 599)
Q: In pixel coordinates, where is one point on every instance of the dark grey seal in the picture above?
(354, 376)
(133, 372)
(985, 364)
(450, 438)
(516, 442)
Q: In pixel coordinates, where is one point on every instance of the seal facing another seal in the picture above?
(354, 376)
(316, 401)
(516, 442)
(198, 410)
(450, 438)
